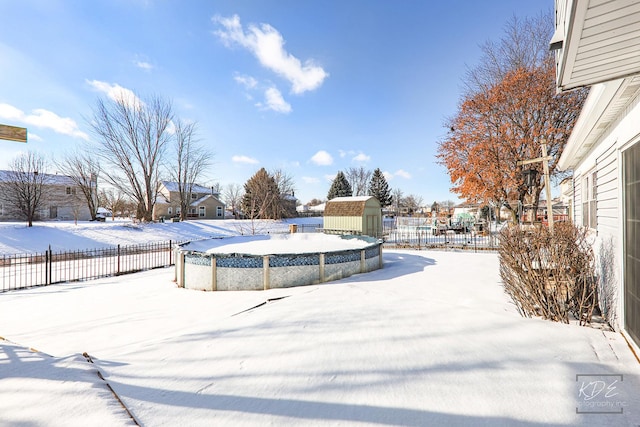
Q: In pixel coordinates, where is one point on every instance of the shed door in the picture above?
(631, 159)
(371, 225)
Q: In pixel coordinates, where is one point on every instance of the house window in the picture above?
(589, 200)
(169, 210)
(202, 212)
(194, 196)
(192, 211)
(178, 210)
(219, 211)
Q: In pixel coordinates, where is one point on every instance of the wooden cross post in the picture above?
(547, 186)
(13, 133)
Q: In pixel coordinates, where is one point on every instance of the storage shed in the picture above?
(353, 215)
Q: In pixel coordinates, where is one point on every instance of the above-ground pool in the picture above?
(274, 261)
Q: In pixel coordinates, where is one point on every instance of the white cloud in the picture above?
(244, 159)
(362, 158)
(42, 118)
(310, 180)
(330, 178)
(342, 153)
(115, 92)
(403, 174)
(267, 44)
(144, 65)
(247, 81)
(322, 158)
(274, 101)
(387, 175)
(34, 137)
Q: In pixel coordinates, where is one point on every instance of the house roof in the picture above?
(49, 179)
(203, 198)
(173, 186)
(598, 44)
(606, 101)
(595, 41)
(348, 206)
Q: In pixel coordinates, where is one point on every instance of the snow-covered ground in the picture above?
(16, 237)
(430, 339)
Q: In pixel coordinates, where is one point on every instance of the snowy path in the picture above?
(431, 339)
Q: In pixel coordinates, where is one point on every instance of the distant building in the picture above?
(306, 210)
(204, 202)
(62, 199)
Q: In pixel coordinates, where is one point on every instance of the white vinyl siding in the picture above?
(608, 192)
(577, 200)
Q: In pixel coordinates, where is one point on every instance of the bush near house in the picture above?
(550, 275)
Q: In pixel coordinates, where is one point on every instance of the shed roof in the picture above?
(348, 206)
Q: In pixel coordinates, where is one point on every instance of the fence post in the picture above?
(170, 246)
(118, 258)
(265, 272)
(48, 265)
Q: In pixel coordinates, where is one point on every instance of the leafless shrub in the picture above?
(549, 275)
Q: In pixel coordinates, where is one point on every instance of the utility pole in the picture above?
(547, 186)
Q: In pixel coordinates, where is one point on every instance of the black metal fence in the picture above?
(468, 238)
(414, 239)
(22, 271)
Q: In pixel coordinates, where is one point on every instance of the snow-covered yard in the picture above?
(431, 339)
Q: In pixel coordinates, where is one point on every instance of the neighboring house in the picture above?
(353, 215)
(289, 202)
(62, 199)
(598, 45)
(204, 202)
(306, 210)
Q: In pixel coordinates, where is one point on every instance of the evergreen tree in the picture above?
(340, 187)
(261, 198)
(379, 188)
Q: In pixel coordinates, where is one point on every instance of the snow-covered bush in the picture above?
(549, 275)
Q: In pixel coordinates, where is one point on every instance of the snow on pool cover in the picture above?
(274, 261)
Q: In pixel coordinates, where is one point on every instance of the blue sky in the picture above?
(309, 87)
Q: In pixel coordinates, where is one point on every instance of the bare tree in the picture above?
(286, 186)
(284, 181)
(359, 179)
(525, 45)
(133, 136)
(233, 197)
(83, 169)
(22, 186)
(413, 203)
(189, 161)
(447, 204)
(397, 195)
(114, 200)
